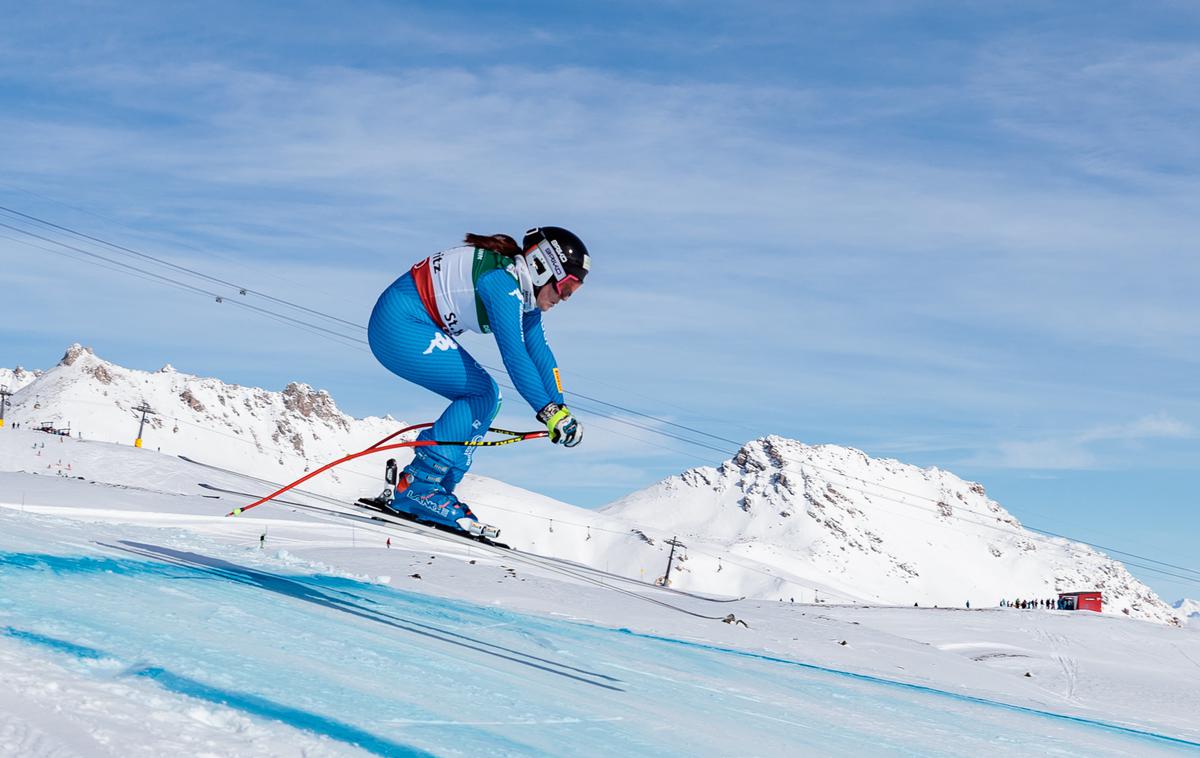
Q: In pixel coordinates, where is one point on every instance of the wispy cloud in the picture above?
(1085, 449)
(1158, 425)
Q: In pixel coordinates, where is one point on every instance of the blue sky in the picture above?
(958, 234)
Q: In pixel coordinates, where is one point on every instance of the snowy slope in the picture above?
(878, 530)
(136, 622)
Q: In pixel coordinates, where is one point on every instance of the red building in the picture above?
(1080, 601)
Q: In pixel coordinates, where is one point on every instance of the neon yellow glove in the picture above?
(564, 428)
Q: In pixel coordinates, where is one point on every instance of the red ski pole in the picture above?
(379, 447)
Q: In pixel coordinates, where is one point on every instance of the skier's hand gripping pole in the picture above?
(562, 427)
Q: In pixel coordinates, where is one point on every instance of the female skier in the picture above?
(489, 285)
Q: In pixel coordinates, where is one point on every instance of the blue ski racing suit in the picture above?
(412, 333)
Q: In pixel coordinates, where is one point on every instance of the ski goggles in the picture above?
(567, 285)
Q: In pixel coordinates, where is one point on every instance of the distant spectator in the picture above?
(968, 603)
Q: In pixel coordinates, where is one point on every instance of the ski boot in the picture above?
(425, 498)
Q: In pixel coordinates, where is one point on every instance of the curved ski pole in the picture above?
(402, 431)
(378, 447)
(522, 435)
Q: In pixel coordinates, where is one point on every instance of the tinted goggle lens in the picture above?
(567, 286)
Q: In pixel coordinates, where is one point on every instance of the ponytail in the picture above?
(497, 243)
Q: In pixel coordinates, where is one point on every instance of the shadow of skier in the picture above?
(296, 589)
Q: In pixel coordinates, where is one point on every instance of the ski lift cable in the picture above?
(304, 308)
(183, 269)
(190, 287)
(494, 369)
(312, 311)
(312, 328)
(78, 257)
(278, 300)
(360, 342)
(174, 242)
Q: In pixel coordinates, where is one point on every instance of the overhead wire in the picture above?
(177, 267)
(338, 336)
(357, 342)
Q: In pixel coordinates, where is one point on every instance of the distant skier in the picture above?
(489, 285)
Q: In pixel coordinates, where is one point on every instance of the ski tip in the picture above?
(234, 512)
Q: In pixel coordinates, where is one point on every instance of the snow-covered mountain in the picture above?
(877, 530)
(780, 521)
(274, 435)
(1188, 610)
(15, 379)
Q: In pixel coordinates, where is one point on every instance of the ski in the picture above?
(482, 536)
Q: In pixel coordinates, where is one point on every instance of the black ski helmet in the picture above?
(554, 254)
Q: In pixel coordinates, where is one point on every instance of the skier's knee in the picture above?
(491, 393)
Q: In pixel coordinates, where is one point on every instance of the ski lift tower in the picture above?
(674, 543)
(4, 396)
(146, 410)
